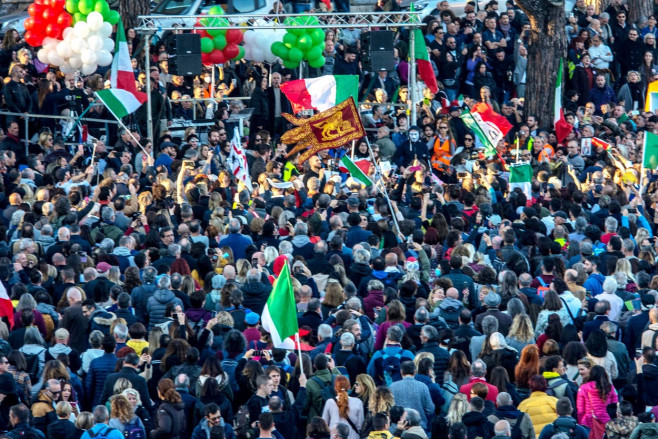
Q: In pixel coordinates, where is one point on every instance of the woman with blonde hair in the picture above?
(458, 407)
(122, 415)
(333, 297)
(136, 404)
(84, 421)
(520, 333)
(381, 402)
(364, 388)
(623, 266)
(114, 275)
(343, 408)
(242, 268)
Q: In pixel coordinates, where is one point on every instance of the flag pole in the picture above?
(644, 152)
(382, 189)
(122, 125)
(353, 147)
(299, 353)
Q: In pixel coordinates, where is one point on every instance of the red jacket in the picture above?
(466, 389)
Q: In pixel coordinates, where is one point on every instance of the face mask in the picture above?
(206, 80)
(414, 136)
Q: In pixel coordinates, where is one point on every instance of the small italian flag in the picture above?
(423, 60)
(6, 307)
(650, 157)
(357, 170)
(122, 98)
(521, 176)
(280, 313)
(599, 143)
(562, 127)
(321, 93)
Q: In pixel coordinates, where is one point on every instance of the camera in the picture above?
(136, 216)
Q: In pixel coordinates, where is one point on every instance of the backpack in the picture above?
(327, 391)
(229, 365)
(133, 430)
(391, 368)
(24, 434)
(243, 429)
(569, 430)
(516, 428)
(32, 362)
(102, 434)
(343, 369)
(541, 291)
(551, 388)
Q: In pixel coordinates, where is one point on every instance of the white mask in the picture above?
(206, 79)
(414, 136)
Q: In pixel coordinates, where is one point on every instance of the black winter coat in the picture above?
(170, 421)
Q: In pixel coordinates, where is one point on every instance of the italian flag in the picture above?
(599, 143)
(280, 313)
(562, 127)
(488, 115)
(650, 156)
(358, 170)
(122, 98)
(521, 176)
(321, 93)
(423, 60)
(6, 307)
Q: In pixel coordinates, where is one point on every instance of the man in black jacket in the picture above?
(429, 336)
(129, 371)
(17, 97)
(255, 292)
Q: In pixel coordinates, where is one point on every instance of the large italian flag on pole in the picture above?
(280, 314)
(122, 98)
(423, 60)
(562, 127)
(321, 93)
(521, 176)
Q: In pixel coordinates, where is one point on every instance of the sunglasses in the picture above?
(466, 139)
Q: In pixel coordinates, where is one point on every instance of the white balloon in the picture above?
(88, 57)
(67, 33)
(104, 58)
(105, 30)
(75, 62)
(95, 43)
(55, 59)
(108, 44)
(81, 29)
(78, 45)
(66, 69)
(42, 55)
(94, 20)
(88, 69)
(63, 49)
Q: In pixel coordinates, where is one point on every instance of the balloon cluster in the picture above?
(85, 46)
(257, 44)
(80, 10)
(301, 43)
(218, 45)
(47, 19)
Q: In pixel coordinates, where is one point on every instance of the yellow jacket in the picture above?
(137, 345)
(541, 409)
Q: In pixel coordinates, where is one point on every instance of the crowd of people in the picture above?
(452, 305)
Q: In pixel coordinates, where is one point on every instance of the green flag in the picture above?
(280, 313)
(521, 176)
(650, 160)
(355, 171)
(488, 133)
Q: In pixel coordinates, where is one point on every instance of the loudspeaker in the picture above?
(377, 51)
(186, 59)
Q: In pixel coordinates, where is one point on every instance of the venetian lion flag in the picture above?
(329, 129)
(650, 157)
(280, 313)
(521, 176)
(320, 93)
(423, 63)
(122, 98)
(562, 127)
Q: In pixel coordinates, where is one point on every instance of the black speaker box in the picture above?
(188, 44)
(377, 51)
(185, 65)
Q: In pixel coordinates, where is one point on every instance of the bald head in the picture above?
(391, 260)
(452, 293)
(653, 315)
(570, 276)
(502, 428)
(525, 280)
(229, 272)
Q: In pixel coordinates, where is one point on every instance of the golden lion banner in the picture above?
(329, 129)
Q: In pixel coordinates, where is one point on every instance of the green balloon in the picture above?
(79, 16)
(85, 6)
(223, 22)
(316, 63)
(289, 64)
(104, 9)
(114, 17)
(308, 20)
(298, 31)
(214, 32)
(289, 39)
(240, 54)
(277, 48)
(313, 53)
(289, 21)
(207, 45)
(304, 43)
(219, 42)
(216, 10)
(317, 35)
(72, 6)
(295, 55)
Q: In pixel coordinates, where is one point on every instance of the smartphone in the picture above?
(213, 314)
(258, 353)
(415, 169)
(188, 163)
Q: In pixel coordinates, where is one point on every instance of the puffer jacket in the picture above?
(510, 414)
(620, 428)
(588, 401)
(645, 430)
(541, 409)
(157, 305)
(170, 421)
(441, 359)
(99, 369)
(449, 310)
(43, 412)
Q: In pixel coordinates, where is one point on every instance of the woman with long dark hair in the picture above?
(170, 418)
(597, 352)
(553, 331)
(592, 399)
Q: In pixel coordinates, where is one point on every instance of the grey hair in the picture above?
(33, 336)
(164, 282)
(430, 332)
(150, 273)
(611, 224)
(176, 281)
(479, 368)
(353, 304)
(610, 285)
(47, 230)
(342, 429)
(17, 217)
(253, 275)
(301, 229)
(375, 285)
(285, 216)
(413, 417)
(321, 247)
(120, 331)
(505, 430)
(96, 339)
(497, 341)
(26, 243)
(604, 15)
(362, 256)
(285, 248)
(101, 415)
(325, 331)
(234, 225)
(26, 302)
(421, 315)
(503, 398)
(489, 325)
(620, 279)
(173, 249)
(182, 381)
(108, 214)
(586, 248)
(107, 244)
(581, 224)
(347, 339)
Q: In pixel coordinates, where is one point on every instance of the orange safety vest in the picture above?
(547, 151)
(441, 153)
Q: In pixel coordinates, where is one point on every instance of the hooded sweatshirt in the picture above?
(594, 283)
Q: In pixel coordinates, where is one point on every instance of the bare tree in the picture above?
(547, 45)
(131, 9)
(638, 9)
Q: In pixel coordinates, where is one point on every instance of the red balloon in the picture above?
(28, 23)
(217, 57)
(49, 16)
(53, 31)
(39, 25)
(46, 3)
(205, 59)
(64, 20)
(58, 5)
(33, 39)
(231, 51)
(35, 10)
(234, 36)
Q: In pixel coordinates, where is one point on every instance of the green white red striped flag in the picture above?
(423, 63)
(321, 93)
(122, 98)
(355, 170)
(562, 127)
(599, 143)
(280, 313)
(487, 132)
(521, 176)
